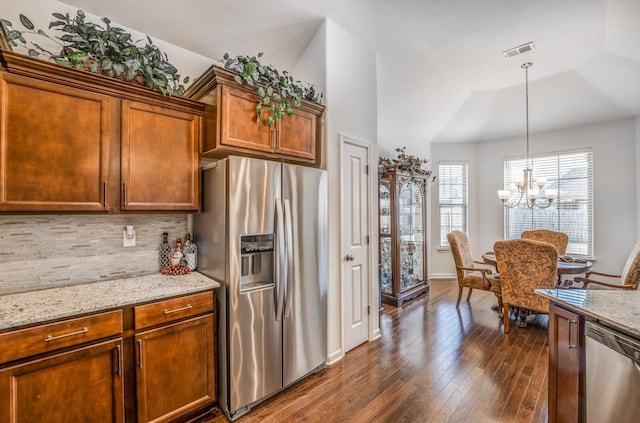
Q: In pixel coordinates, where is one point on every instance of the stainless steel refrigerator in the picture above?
(262, 234)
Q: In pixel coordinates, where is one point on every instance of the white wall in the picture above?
(351, 110)
(614, 184)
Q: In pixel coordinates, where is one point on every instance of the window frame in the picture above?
(557, 224)
(464, 205)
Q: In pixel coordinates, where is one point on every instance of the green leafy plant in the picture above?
(103, 49)
(279, 93)
(405, 163)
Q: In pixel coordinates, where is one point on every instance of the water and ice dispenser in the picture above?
(256, 262)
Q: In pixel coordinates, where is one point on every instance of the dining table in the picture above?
(566, 266)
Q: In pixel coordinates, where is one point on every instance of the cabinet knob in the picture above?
(349, 257)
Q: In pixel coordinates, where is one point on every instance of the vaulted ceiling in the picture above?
(440, 60)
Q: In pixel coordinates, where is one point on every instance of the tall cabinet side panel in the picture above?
(305, 330)
(210, 227)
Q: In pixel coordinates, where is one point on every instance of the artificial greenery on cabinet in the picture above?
(279, 92)
(99, 48)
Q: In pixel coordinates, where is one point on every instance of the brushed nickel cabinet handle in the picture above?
(119, 360)
(140, 353)
(124, 193)
(350, 257)
(571, 346)
(187, 307)
(53, 338)
(274, 145)
(105, 193)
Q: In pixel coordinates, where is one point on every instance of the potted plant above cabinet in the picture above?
(251, 109)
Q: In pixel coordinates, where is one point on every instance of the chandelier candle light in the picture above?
(525, 186)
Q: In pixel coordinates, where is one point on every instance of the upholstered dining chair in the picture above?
(628, 279)
(525, 265)
(559, 239)
(469, 275)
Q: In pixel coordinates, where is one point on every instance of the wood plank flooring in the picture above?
(433, 363)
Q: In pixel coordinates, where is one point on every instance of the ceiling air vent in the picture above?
(519, 50)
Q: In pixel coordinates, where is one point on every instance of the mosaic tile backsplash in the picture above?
(44, 251)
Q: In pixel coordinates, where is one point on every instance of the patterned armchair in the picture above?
(525, 265)
(628, 279)
(559, 239)
(469, 275)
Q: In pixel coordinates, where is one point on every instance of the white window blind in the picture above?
(452, 198)
(572, 211)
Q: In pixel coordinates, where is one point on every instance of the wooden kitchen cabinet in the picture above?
(175, 365)
(159, 158)
(82, 385)
(566, 364)
(76, 141)
(54, 146)
(66, 371)
(230, 123)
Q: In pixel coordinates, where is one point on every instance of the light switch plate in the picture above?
(128, 242)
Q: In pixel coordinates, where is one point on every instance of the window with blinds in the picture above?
(452, 198)
(571, 212)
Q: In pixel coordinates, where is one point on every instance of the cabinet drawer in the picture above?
(50, 337)
(172, 310)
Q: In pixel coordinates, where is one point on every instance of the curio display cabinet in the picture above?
(403, 217)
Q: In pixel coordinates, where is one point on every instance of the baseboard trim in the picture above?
(335, 356)
(375, 335)
(442, 276)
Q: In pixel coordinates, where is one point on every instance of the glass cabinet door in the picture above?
(411, 233)
(384, 201)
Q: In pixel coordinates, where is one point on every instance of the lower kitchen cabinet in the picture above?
(81, 385)
(146, 362)
(566, 362)
(175, 369)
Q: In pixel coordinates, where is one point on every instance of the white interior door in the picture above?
(355, 240)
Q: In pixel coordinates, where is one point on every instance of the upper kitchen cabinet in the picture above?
(54, 146)
(76, 141)
(231, 128)
(160, 155)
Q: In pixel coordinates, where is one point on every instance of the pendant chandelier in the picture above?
(526, 189)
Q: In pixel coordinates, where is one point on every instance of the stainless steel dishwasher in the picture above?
(613, 375)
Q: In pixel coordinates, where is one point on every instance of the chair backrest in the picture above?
(559, 239)
(525, 265)
(631, 272)
(461, 250)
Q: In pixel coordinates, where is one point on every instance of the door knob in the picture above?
(349, 257)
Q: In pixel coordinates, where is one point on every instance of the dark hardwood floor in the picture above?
(433, 363)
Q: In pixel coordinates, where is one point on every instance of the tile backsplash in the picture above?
(44, 251)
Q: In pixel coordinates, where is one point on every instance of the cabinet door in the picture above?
(82, 385)
(160, 158)
(297, 135)
(566, 329)
(175, 371)
(54, 146)
(238, 126)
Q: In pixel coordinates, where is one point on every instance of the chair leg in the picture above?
(506, 317)
(459, 295)
(500, 306)
(469, 295)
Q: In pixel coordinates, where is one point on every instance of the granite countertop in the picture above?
(29, 308)
(617, 307)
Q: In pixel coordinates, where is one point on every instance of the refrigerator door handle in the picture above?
(289, 277)
(281, 265)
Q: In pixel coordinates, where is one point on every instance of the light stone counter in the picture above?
(28, 308)
(617, 307)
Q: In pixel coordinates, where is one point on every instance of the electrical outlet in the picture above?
(129, 237)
